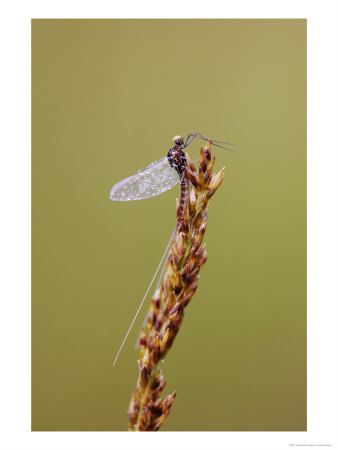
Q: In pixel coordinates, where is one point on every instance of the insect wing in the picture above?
(158, 177)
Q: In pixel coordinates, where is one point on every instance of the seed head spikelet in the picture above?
(147, 410)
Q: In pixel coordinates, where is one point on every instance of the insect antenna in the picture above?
(145, 296)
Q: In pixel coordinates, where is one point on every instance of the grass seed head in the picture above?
(147, 411)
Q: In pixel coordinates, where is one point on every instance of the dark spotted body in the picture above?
(176, 156)
(177, 160)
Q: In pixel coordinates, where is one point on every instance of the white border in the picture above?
(15, 222)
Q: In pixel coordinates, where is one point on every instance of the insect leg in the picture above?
(189, 139)
(215, 143)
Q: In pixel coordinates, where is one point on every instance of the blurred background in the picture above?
(107, 98)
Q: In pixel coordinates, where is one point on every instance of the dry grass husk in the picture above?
(147, 410)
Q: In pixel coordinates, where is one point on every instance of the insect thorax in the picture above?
(176, 158)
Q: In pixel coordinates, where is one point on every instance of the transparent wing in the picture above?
(158, 177)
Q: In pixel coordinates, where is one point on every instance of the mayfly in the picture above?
(158, 177)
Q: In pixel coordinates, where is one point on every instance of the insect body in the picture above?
(176, 155)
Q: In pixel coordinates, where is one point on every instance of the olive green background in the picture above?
(107, 98)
